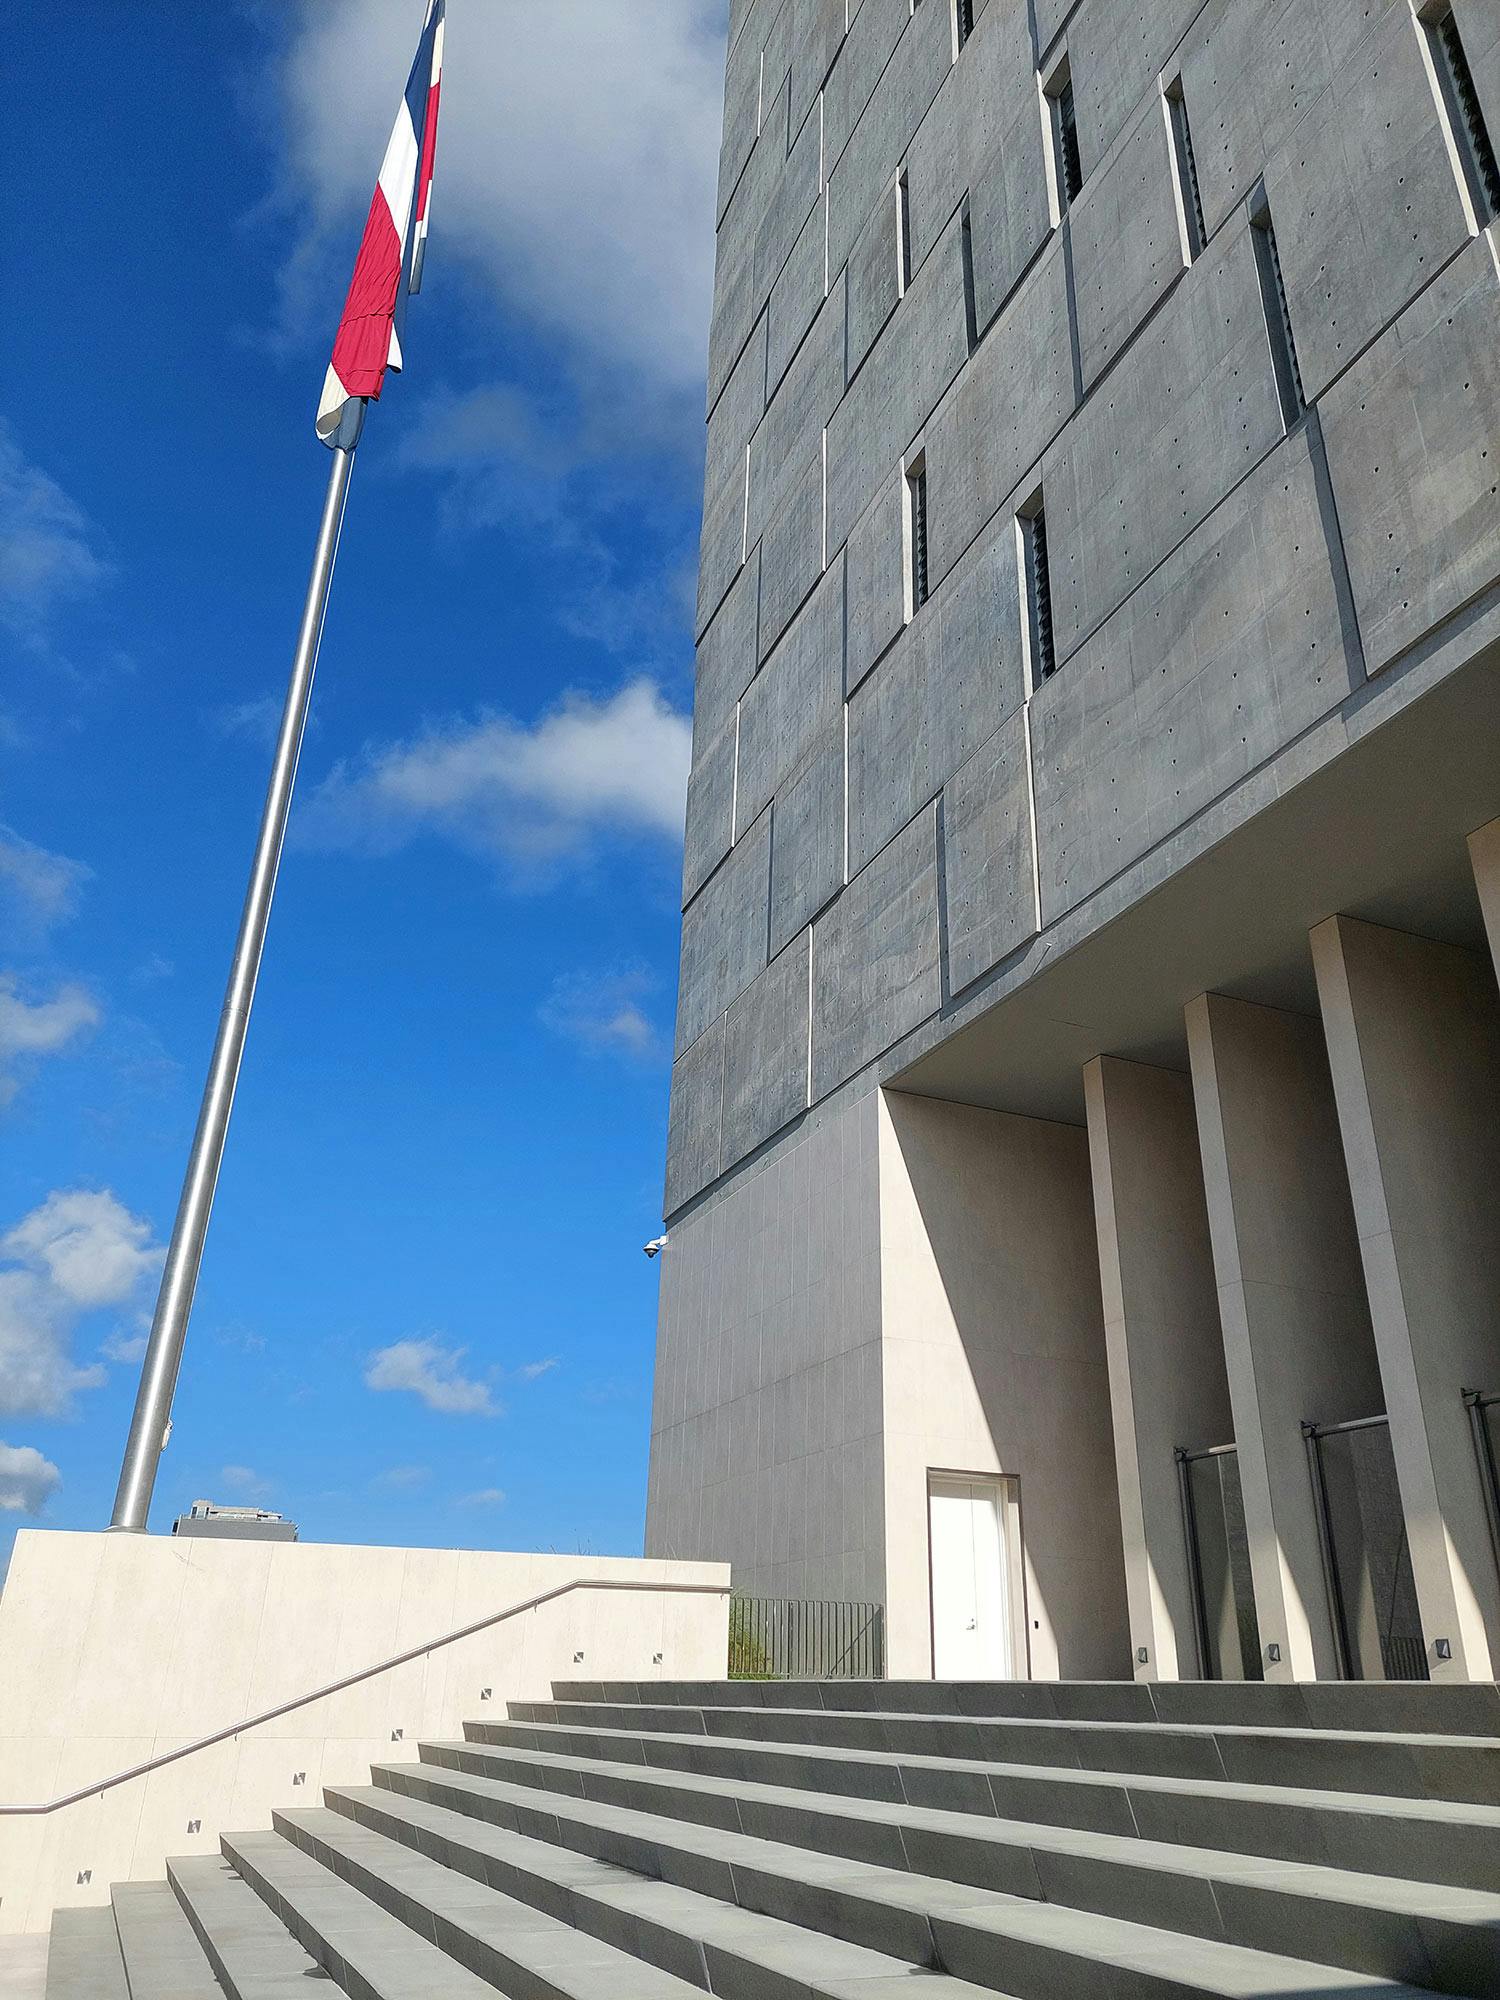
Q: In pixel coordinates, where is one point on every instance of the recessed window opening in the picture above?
(963, 21)
(903, 235)
(916, 536)
(1278, 316)
(1067, 162)
(1037, 578)
(1189, 198)
(1465, 115)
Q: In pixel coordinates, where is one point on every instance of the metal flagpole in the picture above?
(151, 1422)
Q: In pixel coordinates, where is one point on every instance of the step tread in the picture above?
(1341, 1885)
(539, 1944)
(361, 1940)
(1224, 1788)
(83, 1958)
(1220, 1968)
(834, 1964)
(250, 1949)
(163, 1958)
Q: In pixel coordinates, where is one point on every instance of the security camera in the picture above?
(655, 1247)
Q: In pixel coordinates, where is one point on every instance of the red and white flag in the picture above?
(389, 265)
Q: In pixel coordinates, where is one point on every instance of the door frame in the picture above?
(1007, 1490)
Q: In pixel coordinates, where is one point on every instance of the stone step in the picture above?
(1034, 1950)
(1421, 1931)
(528, 1952)
(1458, 1846)
(83, 1959)
(1463, 1768)
(366, 1951)
(163, 1958)
(250, 1950)
(1410, 1708)
(705, 1939)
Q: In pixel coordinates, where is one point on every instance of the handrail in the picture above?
(352, 1680)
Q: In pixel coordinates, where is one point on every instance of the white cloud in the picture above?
(41, 888)
(27, 1480)
(126, 1347)
(79, 1250)
(245, 1484)
(527, 794)
(602, 1012)
(487, 1496)
(427, 1369)
(531, 1371)
(575, 171)
(29, 1029)
(401, 1478)
(48, 547)
(257, 721)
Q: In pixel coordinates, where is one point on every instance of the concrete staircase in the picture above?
(801, 1841)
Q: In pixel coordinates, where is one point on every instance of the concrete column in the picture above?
(1413, 1031)
(1167, 1381)
(1484, 853)
(992, 1345)
(1297, 1338)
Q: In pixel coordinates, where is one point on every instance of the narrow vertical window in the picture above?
(903, 235)
(1037, 576)
(1465, 116)
(1062, 116)
(1189, 199)
(963, 20)
(1278, 317)
(916, 531)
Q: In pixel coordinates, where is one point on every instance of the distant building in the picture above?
(1084, 1164)
(234, 1524)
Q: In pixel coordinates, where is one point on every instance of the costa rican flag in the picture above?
(389, 265)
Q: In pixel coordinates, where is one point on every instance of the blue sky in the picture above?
(424, 1314)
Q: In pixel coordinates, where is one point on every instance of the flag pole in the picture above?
(151, 1423)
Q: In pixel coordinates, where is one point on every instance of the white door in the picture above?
(971, 1635)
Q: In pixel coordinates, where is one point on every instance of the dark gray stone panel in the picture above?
(793, 422)
(1012, 398)
(1364, 201)
(727, 655)
(1127, 248)
(736, 415)
(821, 34)
(797, 296)
(1233, 648)
(1413, 437)
(794, 697)
(1190, 408)
(792, 550)
(765, 1053)
(876, 559)
(695, 1120)
(886, 126)
(741, 115)
(1009, 220)
(874, 277)
(987, 855)
(861, 61)
(875, 957)
(906, 372)
(721, 548)
(807, 838)
(709, 828)
(951, 678)
(724, 934)
(792, 201)
(1116, 51)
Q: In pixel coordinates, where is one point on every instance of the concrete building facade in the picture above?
(1087, 1081)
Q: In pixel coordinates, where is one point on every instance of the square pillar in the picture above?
(1168, 1385)
(1413, 1031)
(1297, 1339)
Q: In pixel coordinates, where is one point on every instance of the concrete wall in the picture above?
(1414, 1041)
(993, 1362)
(115, 1648)
(765, 1445)
(1167, 1380)
(1297, 1336)
(1484, 854)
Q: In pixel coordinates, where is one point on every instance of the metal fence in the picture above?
(800, 1638)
